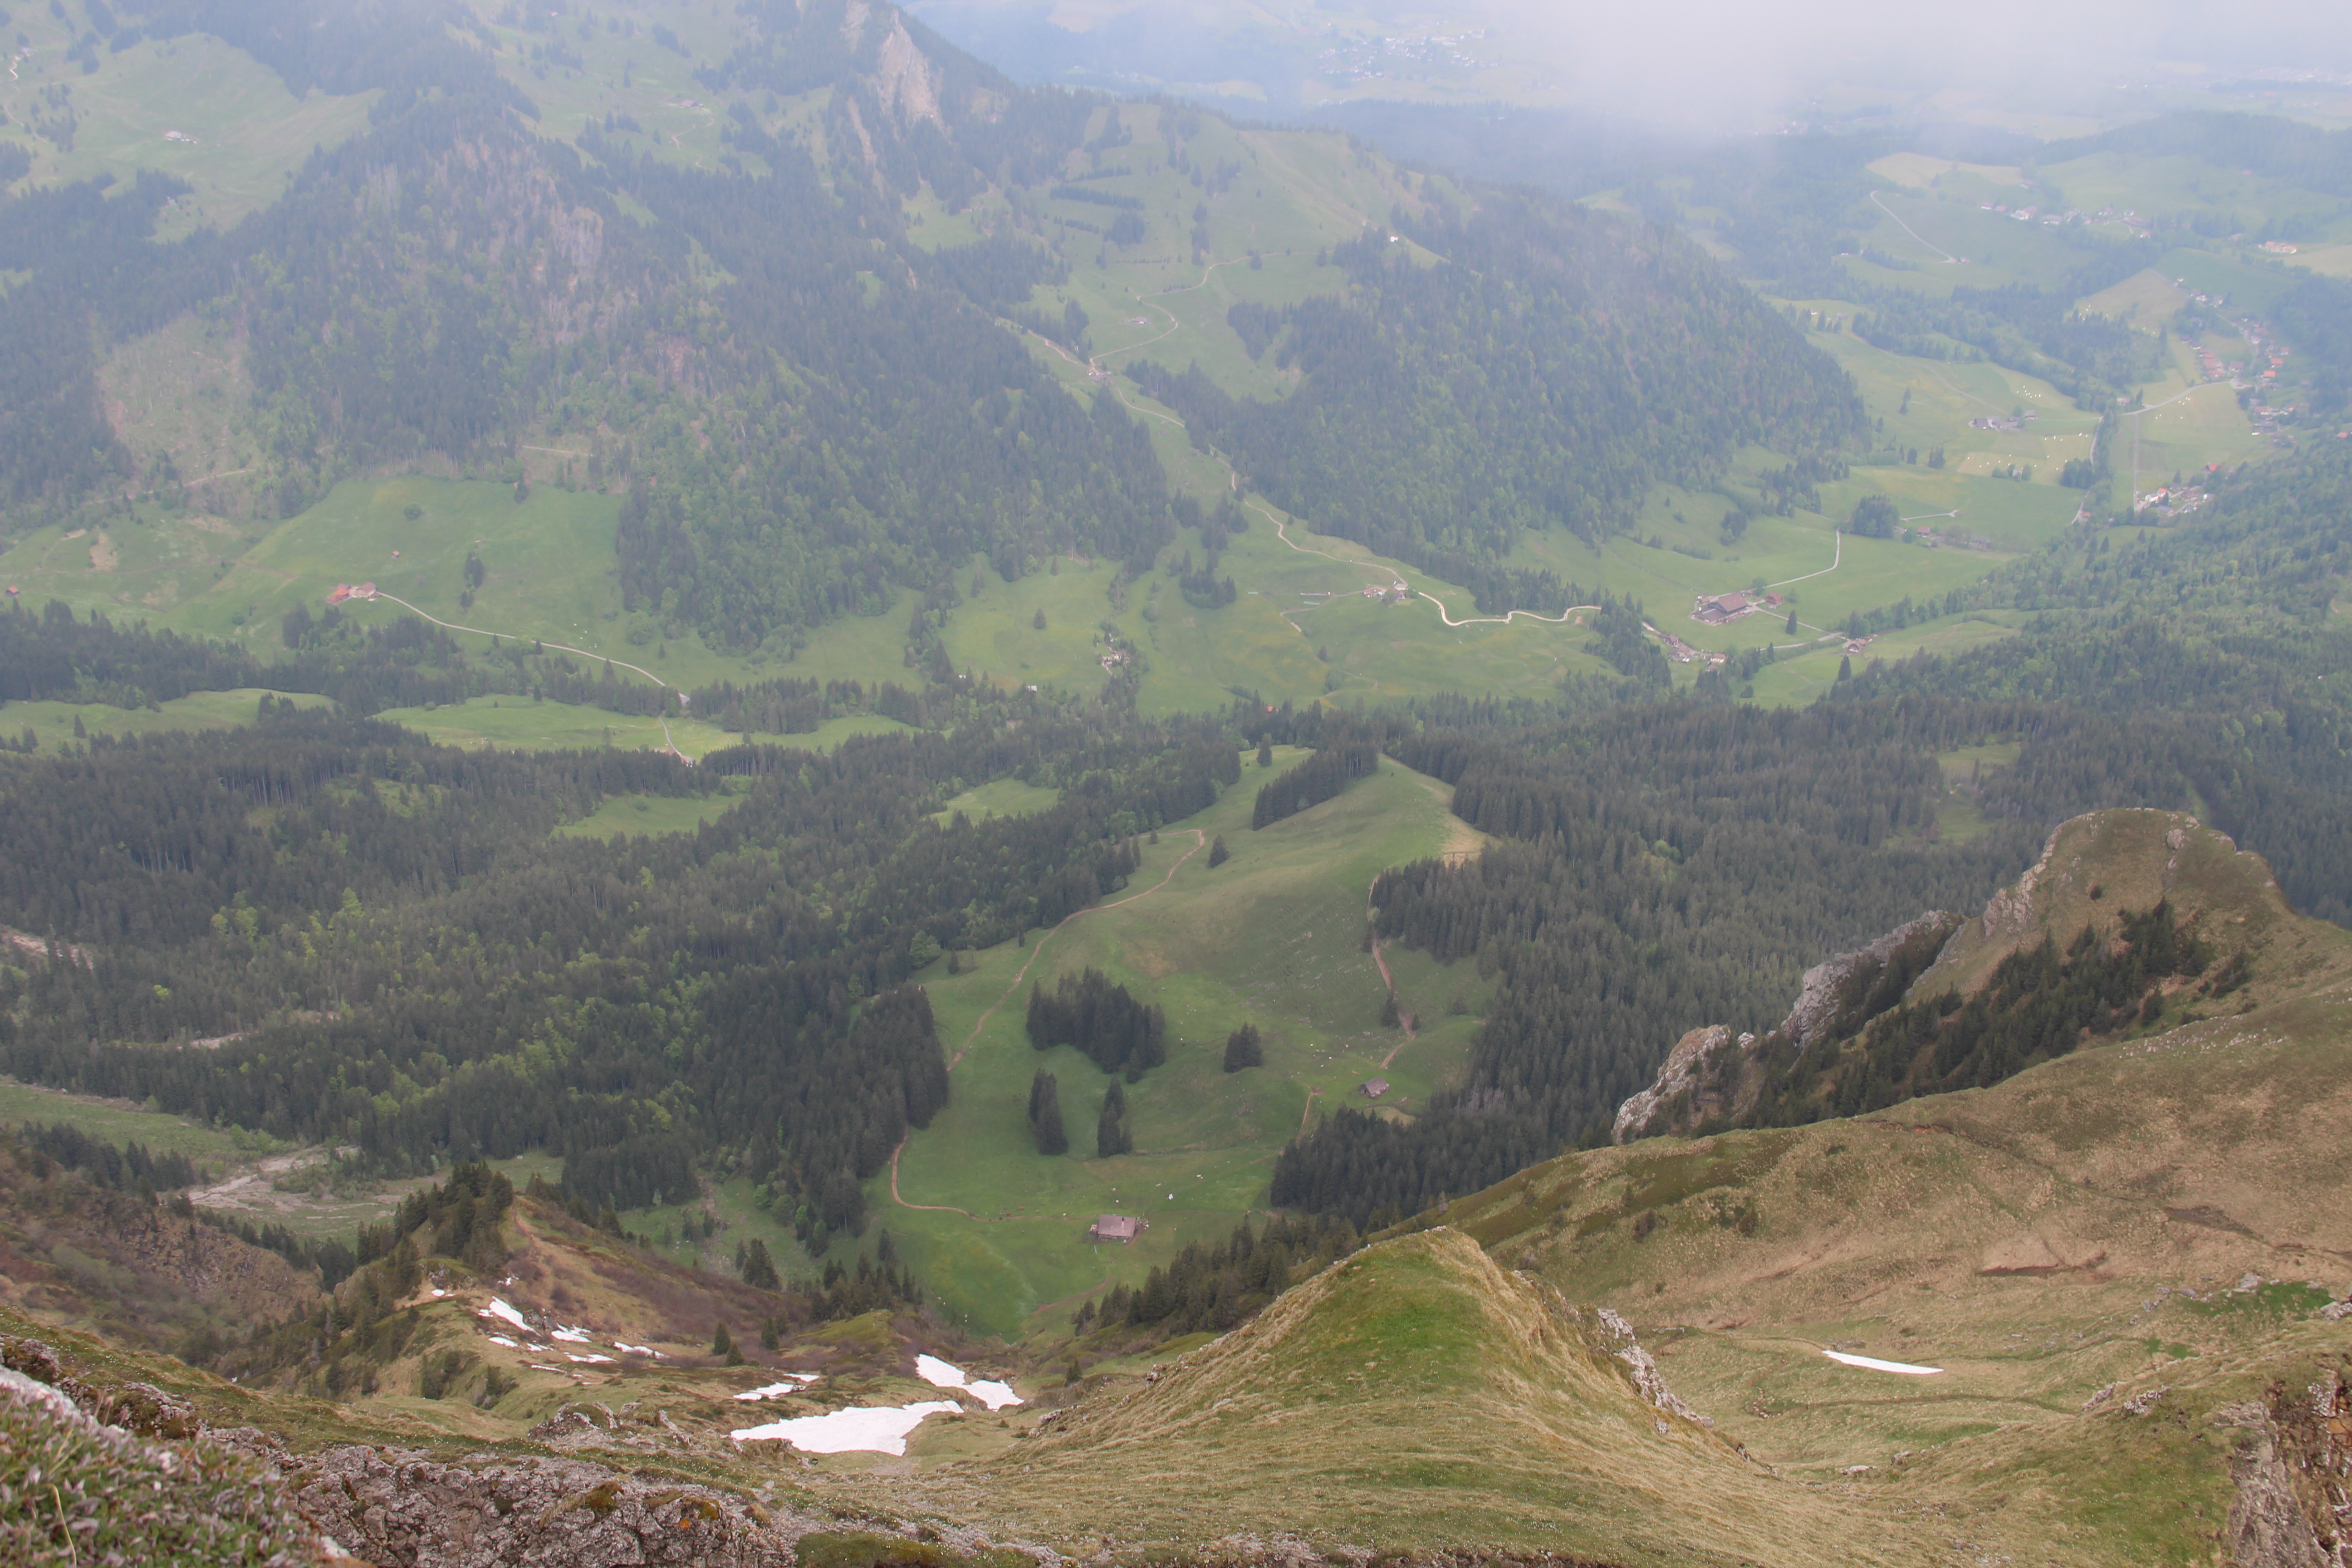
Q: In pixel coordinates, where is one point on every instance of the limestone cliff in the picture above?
(2128, 922)
(1711, 1078)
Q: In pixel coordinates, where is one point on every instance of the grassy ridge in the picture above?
(1417, 1393)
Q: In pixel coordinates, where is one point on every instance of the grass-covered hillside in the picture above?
(245, 437)
(1272, 938)
(2104, 1259)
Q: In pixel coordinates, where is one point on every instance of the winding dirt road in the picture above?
(661, 719)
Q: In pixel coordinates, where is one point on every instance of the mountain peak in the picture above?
(2124, 924)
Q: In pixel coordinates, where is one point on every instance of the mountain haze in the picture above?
(768, 800)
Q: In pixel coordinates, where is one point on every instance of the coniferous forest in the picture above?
(1664, 865)
(817, 422)
(639, 1009)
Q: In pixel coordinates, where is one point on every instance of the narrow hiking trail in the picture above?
(669, 743)
(1199, 842)
(1906, 228)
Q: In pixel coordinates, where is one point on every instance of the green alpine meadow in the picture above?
(821, 783)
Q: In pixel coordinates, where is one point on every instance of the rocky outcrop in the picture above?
(387, 1507)
(1693, 1085)
(1648, 1381)
(2292, 1470)
(1713, 1078)
(1827, 998)
(407, 1511)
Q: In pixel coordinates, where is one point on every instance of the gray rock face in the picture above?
(1711, 1074)
(1821, 993)
(1694, 1067)
(404, 1510)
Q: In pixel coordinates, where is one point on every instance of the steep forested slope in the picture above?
(808, 403)
(1551, 367)
(641, 1006)
(1671, 867)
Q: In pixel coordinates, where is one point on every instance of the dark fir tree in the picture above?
(1111, 1133)
(759, 1269)
(1046, 1114)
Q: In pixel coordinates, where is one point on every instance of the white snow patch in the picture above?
(498, 1309)
(577, 1336)
(502, 1340)
(1873, 1364)
(634, 1349)
(944, 1375)
(861, 1428)
(995, 1395)
(568, 1356)
(772, 1390)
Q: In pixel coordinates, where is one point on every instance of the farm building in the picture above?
(1374, 1088)
(1714, 609)
(1115, 1227)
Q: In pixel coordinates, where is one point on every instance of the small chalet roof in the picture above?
(1374, 1088)
(1731, 604)
(1116, 1227)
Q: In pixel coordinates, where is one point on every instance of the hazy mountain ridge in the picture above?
(811, 412)
(822, 317)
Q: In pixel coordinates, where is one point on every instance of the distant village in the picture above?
(2169, 501)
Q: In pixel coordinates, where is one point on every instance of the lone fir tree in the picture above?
(1111, 1134)
(1046, 1114)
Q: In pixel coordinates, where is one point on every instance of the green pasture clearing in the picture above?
(549, 563)
(119, 1121)
(2145, 299)
(734, 1204)
(521, 724)
(2180, 183)
(1918, 170)
(998, 797)
(2329, 261)
(182, 390)
(623, 72)
(243, 1166)
(626, 816)
(2246, 287)
(1291, 194)
(2205, 427)
(1272, 937)
(995, 634)
(1791, 556)
(53, 723)
(1944, 396)
(1994, 248)
(869, 649)
(1795, 678)
(245, 132)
